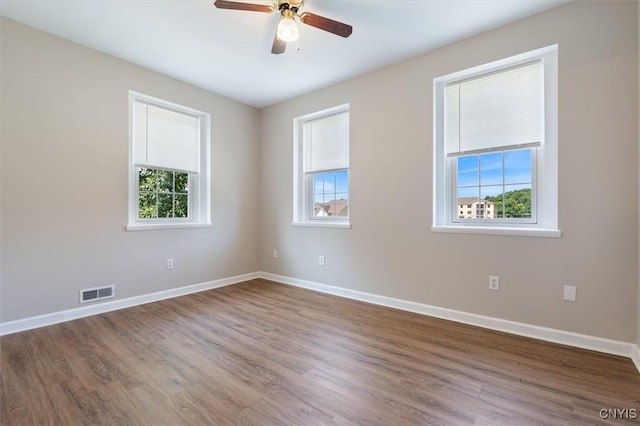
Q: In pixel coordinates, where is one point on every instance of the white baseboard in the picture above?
(583, 341)
(85, 311)
(635, 356)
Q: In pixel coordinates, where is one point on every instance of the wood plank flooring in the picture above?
(264, 353)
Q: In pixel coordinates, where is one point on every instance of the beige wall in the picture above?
(390, 249)
(64, 180)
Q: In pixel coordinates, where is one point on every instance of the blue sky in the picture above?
(330, 186)
(493, 173)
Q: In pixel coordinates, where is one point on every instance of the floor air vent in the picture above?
(92, 294)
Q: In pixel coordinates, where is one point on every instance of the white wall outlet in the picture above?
(494, 282)
(275, 254)
(169, 263)
(570, 293)
(321, 260)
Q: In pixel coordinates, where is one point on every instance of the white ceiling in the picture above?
(229, 52)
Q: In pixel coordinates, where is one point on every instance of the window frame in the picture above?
(453, 170)
(303, 182)
(544, 174)
(199, 214)
(192, 183)
(310, 179)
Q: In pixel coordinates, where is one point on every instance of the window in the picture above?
(502, 181)
(321, 168)
(162, 194)
(495, 147)
(168, 165)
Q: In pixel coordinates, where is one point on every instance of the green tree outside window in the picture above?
(162, 194)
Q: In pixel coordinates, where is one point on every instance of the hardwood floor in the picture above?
(264, 353)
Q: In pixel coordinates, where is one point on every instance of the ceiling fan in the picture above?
(287, 29)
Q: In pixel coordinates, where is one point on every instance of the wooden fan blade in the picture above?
(223, 4)
(278, 45)
(335, 27)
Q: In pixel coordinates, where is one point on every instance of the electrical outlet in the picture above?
(570, 293)
(169, 263)
(494, 282)
(321, 260)
(275, 254)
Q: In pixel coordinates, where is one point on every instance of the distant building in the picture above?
(475, 208)
(332, 208)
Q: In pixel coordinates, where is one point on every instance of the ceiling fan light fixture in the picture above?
(287, 28)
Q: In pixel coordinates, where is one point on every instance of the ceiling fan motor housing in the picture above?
(289, 3)
(292, 5)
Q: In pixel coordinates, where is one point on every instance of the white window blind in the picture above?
(501, 109)
(165, 139)
(327, 143)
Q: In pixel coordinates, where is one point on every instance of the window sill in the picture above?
(494, 230)
(157, 226)
(342, 225)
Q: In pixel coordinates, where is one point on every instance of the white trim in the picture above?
(511, 61)
(327, 224)
(86, 311)
(599, 344)
(152, 226)
(635, 356)
(486, 230)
